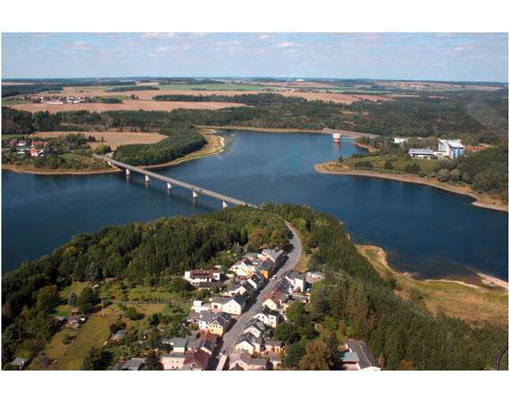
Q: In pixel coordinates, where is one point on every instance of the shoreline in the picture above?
(215, 149)
(469, 298)
(479, 201)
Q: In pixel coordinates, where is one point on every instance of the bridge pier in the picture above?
(225, 205)
(195, 195)
(127, 172)
(147, 178)
(168, 186)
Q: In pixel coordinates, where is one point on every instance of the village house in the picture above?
(235, 306)
(219, 324)
(173, 361)
(118, 336)
(217, 303)
(178, 344)
(199, 306)
(19, 363)
(276, 256)
(238, 289)
(297, 281)
(421, 153)
(208, 343)
(255, 327)
(358, 357)
(196, 361)
(198, 278)
(243, 361)
(257, 281)
(273, 346)
(268, 317)
(277, 300)
(249, 343)
(204, 319)
(246, 266)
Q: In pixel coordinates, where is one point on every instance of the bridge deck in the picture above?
(176, 182)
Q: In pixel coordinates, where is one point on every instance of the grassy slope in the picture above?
(474, 304)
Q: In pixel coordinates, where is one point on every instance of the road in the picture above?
(231, 336)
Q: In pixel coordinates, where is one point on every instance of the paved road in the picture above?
(231, 336)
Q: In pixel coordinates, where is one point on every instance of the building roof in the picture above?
(133, 364)
(426, 151)
(207, 316)
(366, 357)
(349, 356)
(197, 358)
(178, 342)
(273, 342)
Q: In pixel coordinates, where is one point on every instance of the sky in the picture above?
(410, 56)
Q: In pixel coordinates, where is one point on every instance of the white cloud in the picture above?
(159, 35)
(81, 46)
(285, 45)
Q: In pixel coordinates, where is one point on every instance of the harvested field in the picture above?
(336, 97)
(125, 106)
(113, 139)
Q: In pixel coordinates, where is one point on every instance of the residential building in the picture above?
(205, 319)
(216, 303)
(314, 276)
(249, 343)
(118, 336)
(297, 281)
(235, 306)
(199, 306)
(199, 277)
(256, 280)
(358, 357)
(219, 324)
(178, 344)
(399, 140)
(173, 361)
(243, 361)
(246, 266)
(196, 361)
(268, 317)
(256, 328)
(273, 346)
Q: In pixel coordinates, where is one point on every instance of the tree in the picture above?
(87, 300)
(388, 165)
(152, 362)
(412, 168)
(94, 360)
(48, 298)
(318, 357)
(443, 175)
(294, 353)
(455, 175)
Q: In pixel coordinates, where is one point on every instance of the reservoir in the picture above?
(425, 231)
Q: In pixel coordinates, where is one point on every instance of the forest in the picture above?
(353, 301)
(180, 141)
(469, 115)
(138, 251)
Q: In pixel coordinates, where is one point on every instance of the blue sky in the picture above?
(438, 56)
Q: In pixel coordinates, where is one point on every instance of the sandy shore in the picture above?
(23, 170)
(492, 281)
(480, 201)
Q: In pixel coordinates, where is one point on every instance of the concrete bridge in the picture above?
(170, 182)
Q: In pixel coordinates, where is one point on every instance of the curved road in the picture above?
(231, 336)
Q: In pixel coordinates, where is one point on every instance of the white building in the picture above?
(421, 153)
(451, 148)
(399, 140)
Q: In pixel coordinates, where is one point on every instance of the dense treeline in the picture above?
(354, 301)
(168, 246)
(180, 141)
(133, 88)
(11, 90)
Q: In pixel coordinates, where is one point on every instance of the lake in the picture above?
(424, 230)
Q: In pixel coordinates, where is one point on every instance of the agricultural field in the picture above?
(112, 139)
(125, 106)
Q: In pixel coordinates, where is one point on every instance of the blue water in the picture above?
(426, 231)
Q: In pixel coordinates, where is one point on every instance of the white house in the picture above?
(235, 306)
(173, 361)
(399, 140)
(268, 317)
